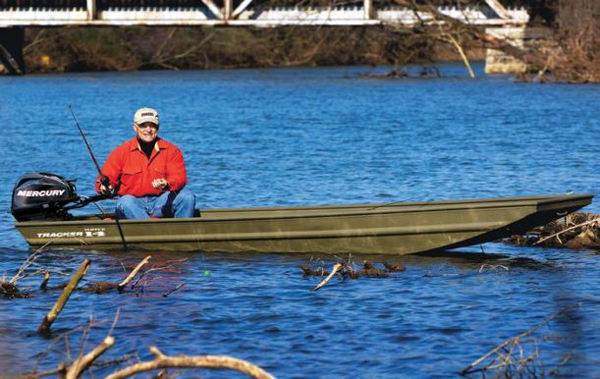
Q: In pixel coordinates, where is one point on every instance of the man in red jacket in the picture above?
(148, 174)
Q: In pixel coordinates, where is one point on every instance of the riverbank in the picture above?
(199, 48)
(558, 45)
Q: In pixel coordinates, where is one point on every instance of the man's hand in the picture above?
(160, 184)
(106, 190)
(105, 187)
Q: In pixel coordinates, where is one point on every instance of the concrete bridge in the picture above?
(17, 14)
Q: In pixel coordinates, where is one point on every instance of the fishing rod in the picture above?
(104, 180)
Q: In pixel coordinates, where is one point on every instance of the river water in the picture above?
(300, 137)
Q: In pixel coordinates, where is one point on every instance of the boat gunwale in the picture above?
(556, 200)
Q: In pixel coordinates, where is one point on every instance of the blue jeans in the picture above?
(169, 204)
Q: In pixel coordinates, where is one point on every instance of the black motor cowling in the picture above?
(42, 196)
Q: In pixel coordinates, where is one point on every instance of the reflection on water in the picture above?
(313, 136)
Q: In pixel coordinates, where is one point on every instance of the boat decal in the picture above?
(43, 193)
(59, 234)
(87, 233)
(95, 232)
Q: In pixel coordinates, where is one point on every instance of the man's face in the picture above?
(147, 131)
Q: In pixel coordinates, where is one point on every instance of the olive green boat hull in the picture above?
(397, 228)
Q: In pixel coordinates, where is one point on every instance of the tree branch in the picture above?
(207, 361)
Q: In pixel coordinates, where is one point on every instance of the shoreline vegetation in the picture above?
(567, 52)
(205, 48)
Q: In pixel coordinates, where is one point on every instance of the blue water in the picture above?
(300, 137)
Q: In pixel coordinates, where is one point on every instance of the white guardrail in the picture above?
(207, 13)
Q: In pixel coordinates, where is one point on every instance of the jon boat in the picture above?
(391, 228)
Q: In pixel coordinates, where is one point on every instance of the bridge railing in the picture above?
(235, 12)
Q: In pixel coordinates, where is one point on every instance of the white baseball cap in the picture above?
(146, 115)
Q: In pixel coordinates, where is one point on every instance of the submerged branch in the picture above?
(62, 300)
(166, 294)
(28, 262)
(334, 270)
(133, 273)
(103, 287)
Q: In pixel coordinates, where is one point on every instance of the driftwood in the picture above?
(10, 291)
(44, 285)
(504, 352)
(370, 270)
(133, 273)
(310, 272)
(100, 288)
(345, 269)
(207, 361)
(334, 270)
(28, 262)
(82, 364)
(62, 300)
(177, 287)
(576, 230)
(103, 287)
(145, 273)
(595, 221)
(161, 361)
(394, 267)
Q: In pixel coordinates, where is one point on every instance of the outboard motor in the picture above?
(42, 196)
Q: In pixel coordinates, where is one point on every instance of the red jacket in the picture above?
(129, 165)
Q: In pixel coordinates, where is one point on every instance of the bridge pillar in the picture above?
(497, 62)
(11, 51)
